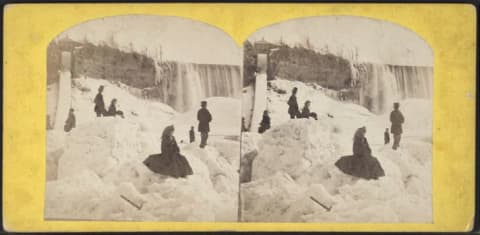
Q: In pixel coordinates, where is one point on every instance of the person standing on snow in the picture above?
(70, 123)
(265, 124)
(306, 111)
(192, 134)
(204, 118)
(396, 118)
(99, 104)
(293, 105)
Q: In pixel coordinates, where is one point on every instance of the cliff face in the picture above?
(102, 61)
(306, 65)
(301, 64)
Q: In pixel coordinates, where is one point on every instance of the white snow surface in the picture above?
(296, 160)
(96, 171)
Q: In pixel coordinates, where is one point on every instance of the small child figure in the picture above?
(192, 135)
(386, 136)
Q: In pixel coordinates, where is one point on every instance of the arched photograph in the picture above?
(143, 121)
(337, 123)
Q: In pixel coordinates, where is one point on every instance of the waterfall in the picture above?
(184, 85)
(381, 85)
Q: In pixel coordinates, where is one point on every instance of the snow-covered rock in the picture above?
(294, 174)
(96, 171)
(294, 147)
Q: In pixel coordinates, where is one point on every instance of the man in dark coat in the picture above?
(70, 123)
(396, 118)
(204, 118)
(293, 105)
(99, 104)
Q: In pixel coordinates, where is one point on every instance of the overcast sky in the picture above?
(181, 39)
(377, 41)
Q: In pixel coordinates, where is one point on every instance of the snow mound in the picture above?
(266, 199)
(249, 141)
(101, 176)
(294, 147)
(295, 179)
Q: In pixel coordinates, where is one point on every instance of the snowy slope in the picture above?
(96, 170)
(296, 160)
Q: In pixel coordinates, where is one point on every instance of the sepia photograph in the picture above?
(143, 121)
(336, 123)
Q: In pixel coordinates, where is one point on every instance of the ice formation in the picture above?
(294, 178)
(95, 172)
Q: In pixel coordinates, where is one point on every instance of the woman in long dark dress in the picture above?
(361, 164)
(170, 162)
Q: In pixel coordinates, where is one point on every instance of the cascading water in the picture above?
(381, 85)
(184, 85)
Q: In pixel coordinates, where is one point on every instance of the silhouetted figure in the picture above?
(386, 136)
(112, 110)
(204, 118)
(192, 134)
(170, 162)
(99, 104)
(361, 164)
(70, 122)
(265, 123)
(396, 118)
(244, 128)
(293, 110)
(306, 111)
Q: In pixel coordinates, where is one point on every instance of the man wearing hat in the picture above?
(293, 109)
(99, 104)
(396, 118)
(204, 118)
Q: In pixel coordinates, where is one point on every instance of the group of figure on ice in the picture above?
(99, 110)
(170, 162)
(294, 111)
(361, 164)
(100, 106)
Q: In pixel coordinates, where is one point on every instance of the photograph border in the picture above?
(450, 29)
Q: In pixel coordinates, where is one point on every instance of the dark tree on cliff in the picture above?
(249, 63)
(307, 65)
(102, 61)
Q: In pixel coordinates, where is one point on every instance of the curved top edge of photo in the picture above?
(160, 37)
(359, 39)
